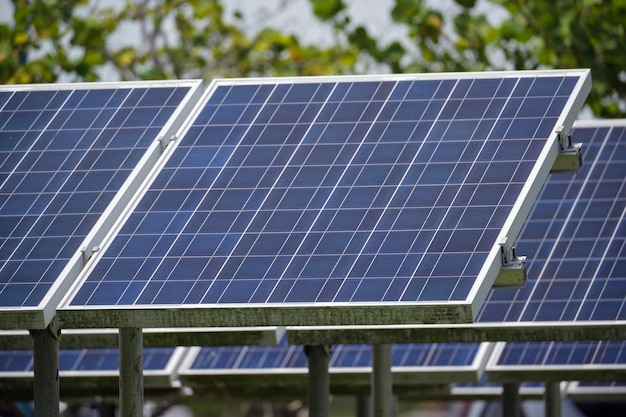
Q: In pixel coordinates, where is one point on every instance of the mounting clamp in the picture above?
(513, 270)
(570, 157)
(166, 141)
(88, 252)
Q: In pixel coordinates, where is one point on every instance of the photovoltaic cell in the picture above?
(575, 240)
(334, 191)
(65, 151)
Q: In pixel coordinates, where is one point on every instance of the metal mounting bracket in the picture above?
(570, 158)
(166, 141)
(88, 252)
(513, 271)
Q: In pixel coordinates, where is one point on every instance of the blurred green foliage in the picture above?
(83, 40)
(467, 35)
(523, 34)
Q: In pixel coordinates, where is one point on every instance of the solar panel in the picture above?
(558, 361)
(90, 371)
(65, 152)
(254, 369)
(96, 360)
(575, 240)
(333, 200)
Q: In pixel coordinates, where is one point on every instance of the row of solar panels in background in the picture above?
(445, 372)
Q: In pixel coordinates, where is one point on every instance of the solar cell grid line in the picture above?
(575, 239)
(65, 152)
(246, 369)
(558, 361)
(90, 371)
(333, 200)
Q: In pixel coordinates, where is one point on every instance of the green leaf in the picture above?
(327, 9)
(466, 3)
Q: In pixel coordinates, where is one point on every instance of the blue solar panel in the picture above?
(65, 151)
(92, 360)
(335, 191)
(575, 237)
(284, 356)
(573, 354)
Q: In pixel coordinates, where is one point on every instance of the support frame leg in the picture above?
(46, 370)
(382, 381)
(131, 372)
(319, 380)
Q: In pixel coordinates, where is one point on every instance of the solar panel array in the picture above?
(65, 152)
(335, 191)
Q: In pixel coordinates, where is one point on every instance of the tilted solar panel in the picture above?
(65, 152)
(253, 369)
(558, 361)
(334, 201)
(89, 371)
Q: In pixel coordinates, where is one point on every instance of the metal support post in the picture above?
(46, 370)
(382, 381)
(319, 383)
(131, 372)
(553, 399)
(510, 400)
(363, 406)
